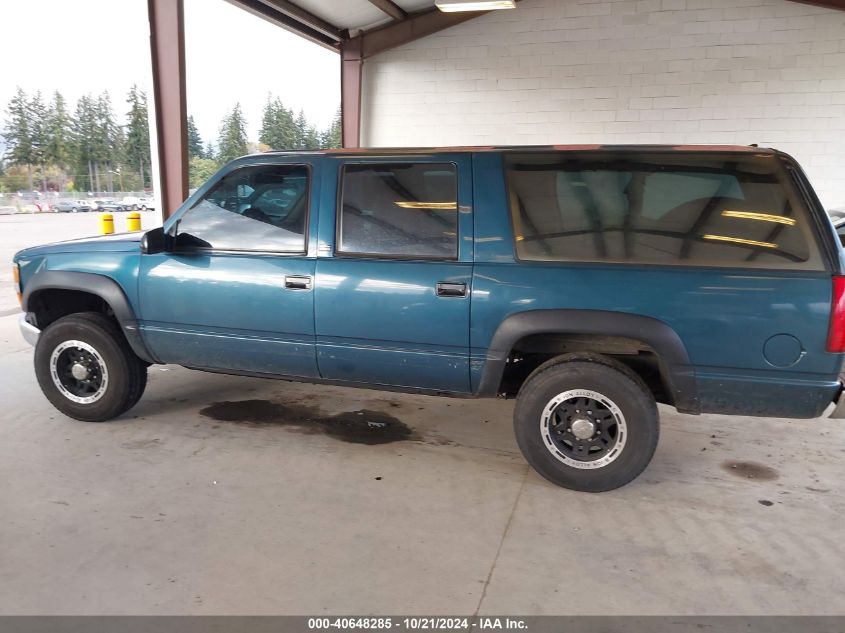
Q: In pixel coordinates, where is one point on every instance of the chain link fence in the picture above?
(36, 202)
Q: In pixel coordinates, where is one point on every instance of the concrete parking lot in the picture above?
(230, 495)
(30, 229)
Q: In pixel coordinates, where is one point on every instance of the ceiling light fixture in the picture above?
(444, 206)
(739, 240)
(452, 6)
(764, 217)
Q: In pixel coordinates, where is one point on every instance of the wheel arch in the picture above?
(39, 287)
(675, 366)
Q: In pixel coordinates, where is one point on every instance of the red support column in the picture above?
(351, 63)
(167, 45)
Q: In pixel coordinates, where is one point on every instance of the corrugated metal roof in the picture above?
(356, 15)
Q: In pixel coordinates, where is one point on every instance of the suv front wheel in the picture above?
(587, 424)
(86, 368)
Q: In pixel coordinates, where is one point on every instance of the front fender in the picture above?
(674, 362)
(103, 287)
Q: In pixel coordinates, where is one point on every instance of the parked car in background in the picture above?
(139, 203)
(587, 283)
(111, 206)
(72, 206)
(63, 206)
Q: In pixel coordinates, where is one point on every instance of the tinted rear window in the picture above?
(400, 210)
(671, 208)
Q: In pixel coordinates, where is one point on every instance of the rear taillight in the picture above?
(836, 332)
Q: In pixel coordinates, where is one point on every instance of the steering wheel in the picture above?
(254, 213)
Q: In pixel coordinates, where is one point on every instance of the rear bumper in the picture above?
(30, 332)
(838, 411)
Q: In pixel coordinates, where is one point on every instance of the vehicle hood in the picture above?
(117, 242)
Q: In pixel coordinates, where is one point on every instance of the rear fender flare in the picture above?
(675, 364)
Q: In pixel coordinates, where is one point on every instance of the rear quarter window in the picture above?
(669, 208)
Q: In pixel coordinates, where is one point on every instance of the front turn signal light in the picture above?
(16, 278)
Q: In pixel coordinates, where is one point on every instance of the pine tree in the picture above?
(137, 153)
(85, 140)
(39, 134)
(18, 134)
(195, 149)
(334, 136)
(232, 142)
(311, 139)
(59, 139)
(286, 127)
(277, 126)
(116, 157)
(267, 133)
(300, 130)
(106, 140)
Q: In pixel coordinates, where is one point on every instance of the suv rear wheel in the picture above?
(587, 424)
(86, 368)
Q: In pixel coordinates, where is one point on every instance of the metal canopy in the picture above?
(357, 29)
(331, 23)
(350, 16)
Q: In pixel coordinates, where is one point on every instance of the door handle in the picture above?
(297, 282)
(448, 289)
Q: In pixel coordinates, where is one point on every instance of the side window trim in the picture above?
(174, 228)
(338, 232)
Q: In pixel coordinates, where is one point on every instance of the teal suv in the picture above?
(589, 283)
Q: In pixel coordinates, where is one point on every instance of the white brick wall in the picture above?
(626, 71)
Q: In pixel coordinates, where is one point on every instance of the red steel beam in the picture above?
(167, 44)
(413, 27)
(355, 50)
(827, 4)
(351, 63)
(295, 19)
(390, 8)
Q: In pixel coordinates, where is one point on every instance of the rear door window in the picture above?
(399, 210)
(671, 208)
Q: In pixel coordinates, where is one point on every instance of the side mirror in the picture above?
(154, 241)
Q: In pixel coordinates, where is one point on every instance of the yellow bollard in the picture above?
(106, 223)
(133, 221)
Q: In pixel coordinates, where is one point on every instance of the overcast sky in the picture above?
(95, 45)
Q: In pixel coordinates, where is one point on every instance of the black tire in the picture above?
(140, 386)
(545, 430)
(126, 373)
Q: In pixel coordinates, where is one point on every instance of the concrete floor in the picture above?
(171, 510)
